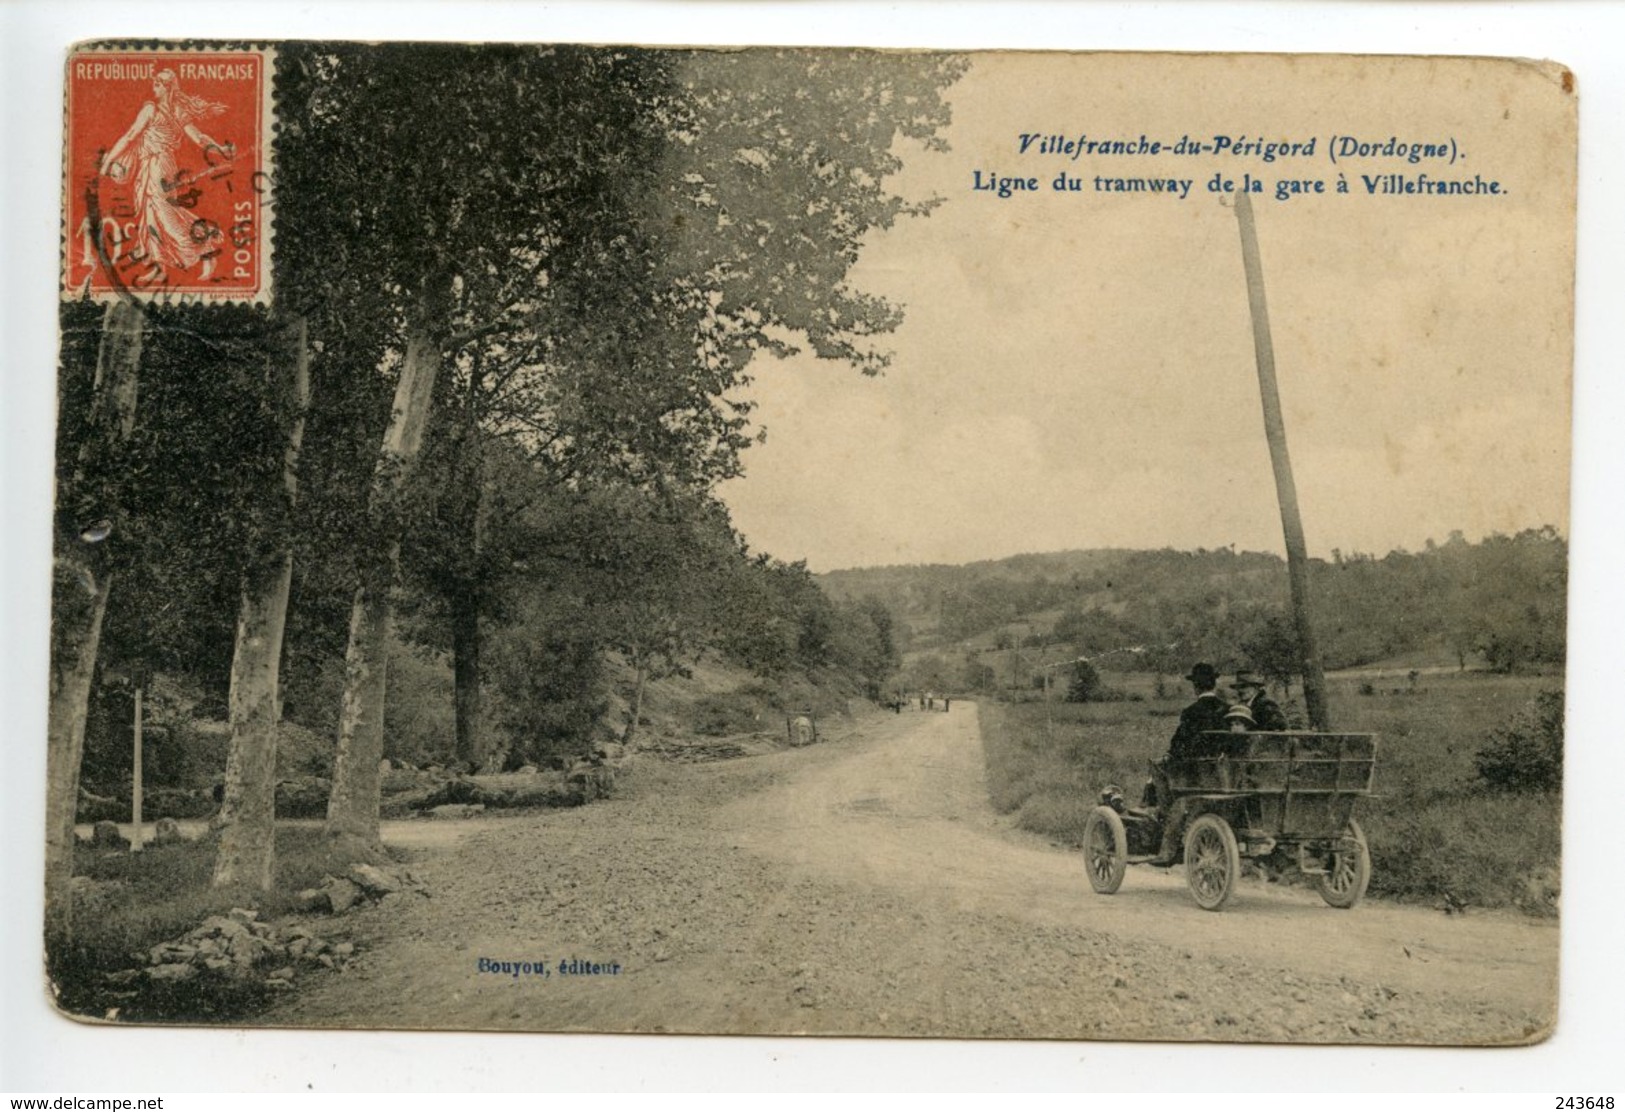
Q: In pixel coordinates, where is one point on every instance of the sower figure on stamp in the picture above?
(1250, 692)
(164, 226)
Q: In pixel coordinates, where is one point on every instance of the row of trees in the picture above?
(499, 384)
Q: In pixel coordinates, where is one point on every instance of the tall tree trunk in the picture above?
(247, 824)
(629, 737)
(465, 660)
(467, 597)
(352, 808)
(82, 581)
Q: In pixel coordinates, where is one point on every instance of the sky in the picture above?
(1076, 369)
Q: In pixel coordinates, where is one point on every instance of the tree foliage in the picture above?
(1526, 755)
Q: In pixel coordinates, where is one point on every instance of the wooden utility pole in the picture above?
(1297, 555)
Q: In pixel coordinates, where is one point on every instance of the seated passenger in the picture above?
(1266, 712)
(1206, 714)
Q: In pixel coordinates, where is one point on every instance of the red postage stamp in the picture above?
(167, 170)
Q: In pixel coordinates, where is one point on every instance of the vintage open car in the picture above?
(1284, 797)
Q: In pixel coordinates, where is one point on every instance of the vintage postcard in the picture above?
(812, 541)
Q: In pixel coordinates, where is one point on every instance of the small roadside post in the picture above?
(138, 680)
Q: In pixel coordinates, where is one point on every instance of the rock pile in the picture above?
(237, 945)
(362, 884)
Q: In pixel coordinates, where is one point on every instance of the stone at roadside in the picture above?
(172, 971)
(221, 926)
(341, 894)
(373, 880)
(311, 899)
(167, 833)
(283, 974)
(528, 770)
(403, 897)
(104, 835)
(247, 950)
(243, 914)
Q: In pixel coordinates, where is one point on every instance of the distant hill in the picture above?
(1502, 599)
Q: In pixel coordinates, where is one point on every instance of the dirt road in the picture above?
(864, 886)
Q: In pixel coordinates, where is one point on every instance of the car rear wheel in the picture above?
(1348, 869)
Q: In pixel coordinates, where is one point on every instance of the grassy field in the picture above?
(1434, 835)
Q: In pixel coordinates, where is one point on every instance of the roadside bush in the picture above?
(1086, 685)
(550, 684)
(1527, 754)
(156, 803)
(177, 803)
(723, 715)
(1469, 851)
(305, 798)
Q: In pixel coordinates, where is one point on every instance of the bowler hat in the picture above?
(1203, 673)
(1248, 679)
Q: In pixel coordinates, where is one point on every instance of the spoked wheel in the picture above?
(1212, 861)
(1105, 850)
(1348, 869)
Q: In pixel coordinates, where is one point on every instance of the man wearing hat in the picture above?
(1250, 693)
(1206, 713)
